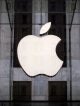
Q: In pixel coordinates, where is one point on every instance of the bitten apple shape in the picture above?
(37, 55)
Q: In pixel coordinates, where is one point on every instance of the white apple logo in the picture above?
(37, 55)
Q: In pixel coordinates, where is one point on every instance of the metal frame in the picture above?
(70, 50)
(10, 75)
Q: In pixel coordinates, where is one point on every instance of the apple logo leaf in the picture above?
(45, 28)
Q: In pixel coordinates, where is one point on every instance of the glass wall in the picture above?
(20, 18)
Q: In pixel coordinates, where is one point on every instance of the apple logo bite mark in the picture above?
(37, 55)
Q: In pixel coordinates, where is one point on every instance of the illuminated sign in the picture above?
(37, 55)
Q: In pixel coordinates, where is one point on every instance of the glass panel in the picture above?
(19, 18)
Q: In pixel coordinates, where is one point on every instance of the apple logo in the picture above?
(37, 55)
